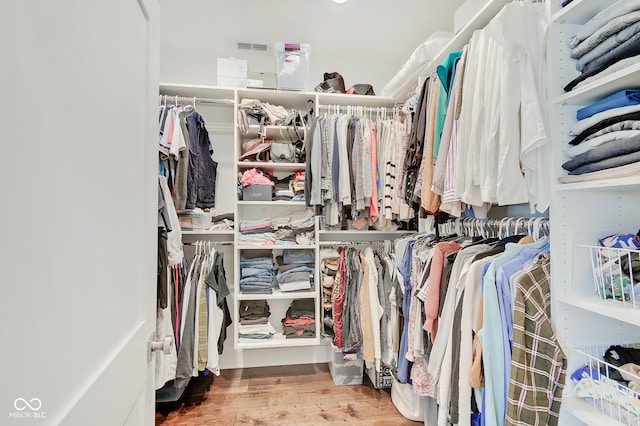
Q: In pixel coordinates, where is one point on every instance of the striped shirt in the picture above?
(538, 363)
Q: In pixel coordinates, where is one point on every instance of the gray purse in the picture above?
(283, 152)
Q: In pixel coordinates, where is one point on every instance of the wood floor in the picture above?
(287, 395)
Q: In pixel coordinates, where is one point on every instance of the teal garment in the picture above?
(446, 73)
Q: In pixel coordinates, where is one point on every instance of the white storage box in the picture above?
(292, 64)
(346, 369)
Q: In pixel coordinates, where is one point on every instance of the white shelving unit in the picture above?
(219, 108)
(255, 210)
(583, 212)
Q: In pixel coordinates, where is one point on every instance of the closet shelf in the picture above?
(278, 295)
(285, 167)
(222, 233)
(213, 236)
(270, 203)
(328, 237)
(586, 412)
(621, 184)
(607, 308)
(360, 100)
(628, 78)
(199, 91)
(297, 100)
(273, 132)
(279, 341)
(275, 247)
(579, 11)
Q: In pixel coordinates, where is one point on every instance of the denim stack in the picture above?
(295, 270)
(256, 269)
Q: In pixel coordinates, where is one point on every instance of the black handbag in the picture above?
(333, 83)
(361, 89)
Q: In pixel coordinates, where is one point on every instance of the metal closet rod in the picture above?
(195, 99)
(213, 243)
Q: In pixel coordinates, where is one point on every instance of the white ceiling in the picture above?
(367, 41)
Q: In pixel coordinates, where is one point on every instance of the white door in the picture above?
(78, 213)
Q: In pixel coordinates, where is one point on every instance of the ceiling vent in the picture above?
(254, 47)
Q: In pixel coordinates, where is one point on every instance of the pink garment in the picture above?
(373, 205)
(171, 118)
(300, 321)
(423, 383)
(255, 177)
(432, 301)
(338, 302)
(264, 225)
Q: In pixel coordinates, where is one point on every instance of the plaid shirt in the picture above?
(538, 363)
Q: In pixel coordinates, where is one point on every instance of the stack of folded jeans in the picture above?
(608, 38)
(300, 321)
(254, 321)
(256, 269)
(295, 270)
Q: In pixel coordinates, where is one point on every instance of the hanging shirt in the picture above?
(521, 29)
(493, 338)
(528, 402)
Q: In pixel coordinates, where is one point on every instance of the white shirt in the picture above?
(525, 26)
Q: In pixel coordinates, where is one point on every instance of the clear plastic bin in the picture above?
(346, 369)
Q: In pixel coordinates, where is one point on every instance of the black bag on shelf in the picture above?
(361, 89)
(333, 83)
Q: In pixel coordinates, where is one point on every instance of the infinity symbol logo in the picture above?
(21, 404)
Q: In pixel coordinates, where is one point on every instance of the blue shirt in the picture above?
(503, 277)
(494, 339)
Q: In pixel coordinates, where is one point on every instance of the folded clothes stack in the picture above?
(300, 320)
(605, 137)
(254, 322)
(296, 227)
(608, 42)
(222, 222)
(295, 270)
(256, 269)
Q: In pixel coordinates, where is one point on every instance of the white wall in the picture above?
(367, 41)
